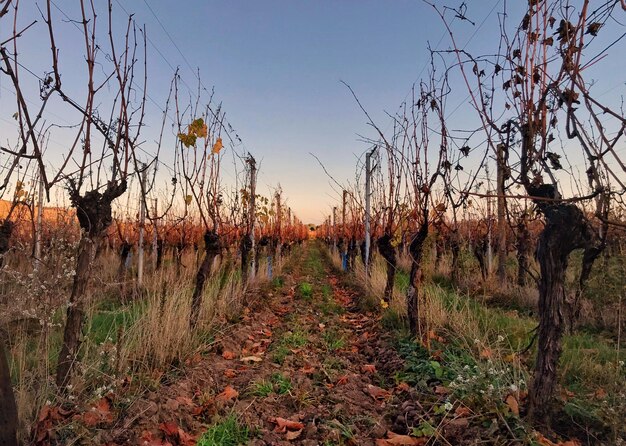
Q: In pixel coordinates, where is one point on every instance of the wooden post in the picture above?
(344, 232)
(155, 237)
(368, 193)
(38, 226)
(279, 217)
(334, 229)
(142, 217)
(252, 214)
(502, 251)
(489, 224)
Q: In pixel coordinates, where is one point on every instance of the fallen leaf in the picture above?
(403, 387)
(283, 424)
(442, 390)
(513, 404)
(486, 353)
(230, 373)
(307, 370)
(543, 441)
(147, 439)
(377, 393)
(99, 413)
(458, 422)
(169, 428)
(195, 359)
(251, 359)
(227, 354)
(292, 435)
(368, 368)
(399, 440)
(600, 393)
(228, 394)
(342, 380)
(462, 411)
(174, 432)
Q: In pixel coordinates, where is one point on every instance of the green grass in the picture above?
(278, 383)
(227, 432)
(281, 383)
(106, 322)
(290, 341)
(306, 291)
(333, 340)
(278, 282)
(262, 388)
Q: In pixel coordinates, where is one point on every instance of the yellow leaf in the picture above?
(188, 199)
(198, 128)
(383, 304)
(217, 146)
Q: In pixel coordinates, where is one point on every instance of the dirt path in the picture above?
(302, 367)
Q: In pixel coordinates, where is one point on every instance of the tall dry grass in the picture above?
(127, 331)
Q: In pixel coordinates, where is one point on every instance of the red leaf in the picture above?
(283, 424)
(377, 393)
(227, 354)
(368, 368)
(99, 413)
(228, 394)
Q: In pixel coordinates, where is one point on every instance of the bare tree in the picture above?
(531, 96)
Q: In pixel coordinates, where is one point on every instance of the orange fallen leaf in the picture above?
(543, 441)
(342, 380)
(307, 370)
(99, 413)
(442, 390)
(227, 354)
(368, 368)
(377, 393)
(173, 431)
(394, 439)
(600, 393)
(513, 404)
(148, 439)
(169, 428)
(292, 435)
(462, 411)
(230, 373)
(486, 353)
(228, 394)
(195, 359)
(403, 387)
(283, 424)
(458, 422)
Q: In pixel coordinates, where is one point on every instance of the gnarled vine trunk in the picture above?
(455, 248)
(352, 253)
(480, 248)
(159, 252)
(522, 244)
(246, 249)
(8, 408)
(211, 250)
(388, 252)
(416, 250)
(94, 216)
(566, 229)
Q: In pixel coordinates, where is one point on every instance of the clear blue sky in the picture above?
(277, 66)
